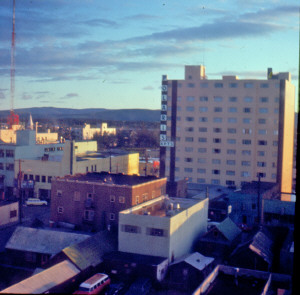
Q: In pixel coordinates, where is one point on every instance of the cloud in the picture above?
(70, 95)
(148, 88)
(26, 96)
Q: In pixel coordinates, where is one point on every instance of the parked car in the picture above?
(94, 285)
(140, 286)
(35, 202)
(115, 289)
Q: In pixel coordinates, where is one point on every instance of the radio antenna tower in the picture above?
(13, 119)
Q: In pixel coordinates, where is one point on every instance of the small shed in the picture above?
(186, 273)
(220, 239)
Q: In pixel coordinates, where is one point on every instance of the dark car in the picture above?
(140, 286)
(115, 289)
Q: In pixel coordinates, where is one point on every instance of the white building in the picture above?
(165, 227)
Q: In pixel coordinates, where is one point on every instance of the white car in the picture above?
(36, 202)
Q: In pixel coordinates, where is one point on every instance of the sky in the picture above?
(112, 54)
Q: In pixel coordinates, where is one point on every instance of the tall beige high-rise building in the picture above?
(228, 131)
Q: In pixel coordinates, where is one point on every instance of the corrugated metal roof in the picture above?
(90, 251)
(262, 246)
(41, 240)
(44, 280)
(229, 229)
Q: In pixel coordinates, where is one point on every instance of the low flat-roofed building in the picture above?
(9, 213)
(34, 247)
(165, 227)
(93, 200)
(56, 279)
(231, 280)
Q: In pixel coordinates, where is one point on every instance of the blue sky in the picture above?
(112, 54)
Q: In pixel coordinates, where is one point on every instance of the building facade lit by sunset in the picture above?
(228, 131)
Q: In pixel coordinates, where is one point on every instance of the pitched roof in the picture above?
(42, 240)
(90, 251)
(229, 229)
(262, 246)
(45, 280)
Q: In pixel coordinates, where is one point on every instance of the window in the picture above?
(13, 214)
(263, 110)
(232, 120)
(261, 164)
(231, 130)
(202, 129)
(231, 141)
(202, 139)
(201, 170)
(202, 150)
(1, 153)
(246, 152)
(230, 182)
(261, 153)
(217, 130)
(247, 110)
(10, 167)
(232, 110)
(37, 178)
(275, 143)
(189, 119)
(10, 153)
(189, 129)
(121, 199)
(230, 162)
(215, 171)
(215, 181)
(216, 151)
(262, 142)
(190, 98)
(203, 109)
(246, 120)
(60, 210)
(188, 149)
(1, 166)
(264, 85)
(130, 229)
(145, 197)
(59, 193)
(76, 197)
(218, 99)
(189, 160)
(200, 180)
(246, 141)
(203, 98)
(245, 174)
(112, 198)
(218, 85)
(204, 85)
(202, 160)
(203, 119)
(189, 139)
(233, 85)
(216, 161)
(112, 216)
(248, 99)
(246, 163)
(232, 99)
(217, 109)
(262, 131)
(247, 131)
(88, 215)
(158, 232)
(248, 85)
(231, 152)
(218, 120)
(217, 140)
(43, 178)
(262, 121)
(230, 172)
(137, 199)
(49, 179)
(188, 170)
(190, 109)
(190, 85)
(263, 99)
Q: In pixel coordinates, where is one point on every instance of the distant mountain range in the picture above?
(86, 114)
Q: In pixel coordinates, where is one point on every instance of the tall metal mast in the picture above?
(13, 118)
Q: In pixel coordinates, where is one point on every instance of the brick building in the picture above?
(93, 200)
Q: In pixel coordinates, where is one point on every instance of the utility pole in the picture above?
(20, 192)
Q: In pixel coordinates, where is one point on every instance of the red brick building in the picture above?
(93, 200)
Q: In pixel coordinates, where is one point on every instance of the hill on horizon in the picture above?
(38, 113)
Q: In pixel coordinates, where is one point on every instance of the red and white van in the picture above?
(94, 285)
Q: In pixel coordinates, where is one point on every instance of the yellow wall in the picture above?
(288, 141)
